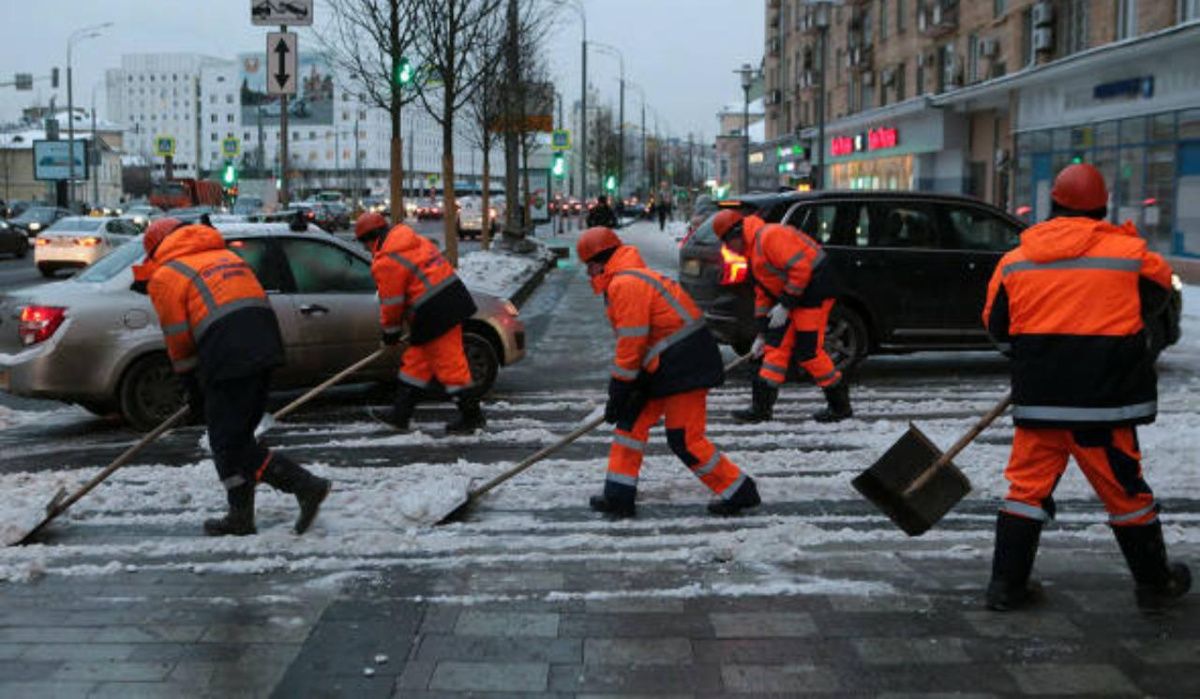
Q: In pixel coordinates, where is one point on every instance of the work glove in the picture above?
(620, 394)
(778, 317)
(759, 346)
(195, 396)
(391, 337)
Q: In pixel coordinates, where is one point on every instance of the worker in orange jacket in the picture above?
(664, 364)
(223, 341)
(1067, 306)
(419, 289)
(794, 293)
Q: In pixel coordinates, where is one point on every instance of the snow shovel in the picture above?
(457, 510)
(269, 420)
(914, 483)
(60, 502)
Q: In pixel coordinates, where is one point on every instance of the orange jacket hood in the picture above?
(1067, 237)
(626, 257)
(188, 240)
(400, 238)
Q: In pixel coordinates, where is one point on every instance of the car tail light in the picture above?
(89, 242)
(38, 323)
(733, 267)
(310, 215)
(42, 241)
(687, 236)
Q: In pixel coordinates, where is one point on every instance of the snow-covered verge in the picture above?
(502, 273)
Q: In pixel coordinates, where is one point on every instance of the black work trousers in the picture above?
(232, 410)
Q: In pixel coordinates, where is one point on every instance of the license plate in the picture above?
(691, 268)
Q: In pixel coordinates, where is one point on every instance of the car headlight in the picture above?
(1176, 283)
(35, 226)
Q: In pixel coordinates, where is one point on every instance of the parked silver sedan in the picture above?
(90, 340)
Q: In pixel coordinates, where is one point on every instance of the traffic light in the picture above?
(404, 72)
(610, 183)
(559, 168)
(230, 175)
(54, 77)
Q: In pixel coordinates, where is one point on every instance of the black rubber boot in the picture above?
(1159, 583)
(762, 403)
(469, 418)
(838, 398)
(1016, 547)
(239, 521)
(615, 509)
(287, 476)
(403, 406)
(745, 497)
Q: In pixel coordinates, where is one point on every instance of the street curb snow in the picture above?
(548, 262)
(508, 273)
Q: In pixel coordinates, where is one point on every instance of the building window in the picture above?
(1027, 37)
(1127, 11)
(900, 18)
(245, 135)
(1189, 10)
(882, 19)
(229, 118)
(900, 70)
(867, 35)
(213, 118)
(972, 58)
(920, 79)
(212, 136)
(228, 99)
(999, 7)
(1075, 26)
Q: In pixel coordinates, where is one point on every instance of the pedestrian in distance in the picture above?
(602, 214)
(419, 290)
(794, 293)
(662, 207)
(223, 341)
(665, 362)
(1067, 306)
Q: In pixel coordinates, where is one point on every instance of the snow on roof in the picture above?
(756, 107)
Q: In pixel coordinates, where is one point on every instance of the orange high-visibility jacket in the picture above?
(418, 286)
(214, 314)
(661, 334)
(1067, 305)
(788, 268)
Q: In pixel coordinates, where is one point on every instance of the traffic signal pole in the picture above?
(283, 144)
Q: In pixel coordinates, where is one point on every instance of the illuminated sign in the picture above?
(873, 139)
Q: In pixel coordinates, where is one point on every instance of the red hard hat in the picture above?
(1080, 187)
(157, 231)
(725, 221)
(595, 241)
(370, 223)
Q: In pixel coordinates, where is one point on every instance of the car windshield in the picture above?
(113, 263)
(90, 225)
(40, 214)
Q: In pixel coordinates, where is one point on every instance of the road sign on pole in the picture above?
(231, 147)
(281, 63)
(275, 13)
(560, 140)
(164, 146)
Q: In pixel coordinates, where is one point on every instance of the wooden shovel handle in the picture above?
(314, 391)
(996, 411)
(550, 449)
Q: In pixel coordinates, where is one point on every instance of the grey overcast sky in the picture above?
(681, 52)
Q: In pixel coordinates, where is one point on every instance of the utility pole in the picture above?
(512, 61)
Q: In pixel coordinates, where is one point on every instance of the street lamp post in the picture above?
(77, 35)
(577, 5)
(821, 8)
(621, 118)
(747, 73)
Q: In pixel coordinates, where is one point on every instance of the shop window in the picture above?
(1158, 206)
(1105, 134)
(1128, 192)
(1162, 127)
(1133, 130)
(975, 229)
(1189, 124)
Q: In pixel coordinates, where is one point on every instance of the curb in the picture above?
(526, 290)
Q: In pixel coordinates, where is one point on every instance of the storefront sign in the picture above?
(1130, 88)
(873, 139)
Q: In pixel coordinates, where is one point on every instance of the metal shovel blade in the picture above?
(888, 483)
(30, 520)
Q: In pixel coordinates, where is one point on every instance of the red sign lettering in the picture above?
(841, 145)
(882, 138)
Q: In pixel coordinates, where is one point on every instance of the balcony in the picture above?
(859, 57)
(773, 45)
(938, 19)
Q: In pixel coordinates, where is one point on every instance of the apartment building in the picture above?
(991, 98)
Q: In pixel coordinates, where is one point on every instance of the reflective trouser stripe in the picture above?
(827, 378)
(733, 487)
(1024, 510)
(623, 373)
(186, 364)
(441, 359)
(412, 380)
(782, 370)
(621, 479)
(234, 481)
(706, 468)
(1117, 519)
(774, 383)
(629, 443)
(1070, 414)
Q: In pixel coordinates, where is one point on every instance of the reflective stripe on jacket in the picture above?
(788, 268)
(1067, 305)
(418, 286)
(214, 314)
(661, 334)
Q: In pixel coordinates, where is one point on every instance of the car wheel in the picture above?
(150, 392)
(846, 339)
(481, 357)
(22, 248)
(98, 408)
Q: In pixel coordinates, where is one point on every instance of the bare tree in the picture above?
(484, 110)
(369, 41)
(449, 31)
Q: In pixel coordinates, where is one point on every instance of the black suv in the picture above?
(912, 267)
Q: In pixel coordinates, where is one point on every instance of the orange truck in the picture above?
(186, 192)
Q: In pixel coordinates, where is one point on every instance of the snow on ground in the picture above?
(498, 272)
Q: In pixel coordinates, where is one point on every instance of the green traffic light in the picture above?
(230, 174)
(560, 165)
(404, 72)
(610, 183)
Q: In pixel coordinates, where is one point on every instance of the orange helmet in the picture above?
(595, 241)
(370, 223)
(1080, 187)
(157, 231)
(725, 221)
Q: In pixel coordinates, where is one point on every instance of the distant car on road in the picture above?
(90, 340)
(12, 241)
(36, 219)
(913, 270)
(142, 214)
(78, 241)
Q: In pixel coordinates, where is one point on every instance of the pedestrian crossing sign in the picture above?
(231, 147)
(164, 146)
(560, 139)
